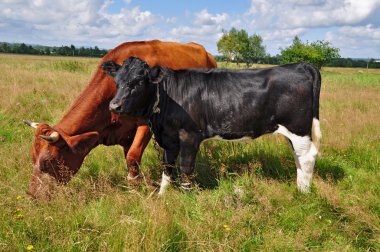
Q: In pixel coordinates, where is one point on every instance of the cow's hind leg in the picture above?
(305, 153)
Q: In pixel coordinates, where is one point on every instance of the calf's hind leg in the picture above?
(189, 145)
(305, 153)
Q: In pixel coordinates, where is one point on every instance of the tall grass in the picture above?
(246, 200)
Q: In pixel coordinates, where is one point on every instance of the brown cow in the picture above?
(58, 151)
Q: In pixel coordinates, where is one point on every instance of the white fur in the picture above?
(316, 133)
(165, 182)
(34, 125)
(305, 154)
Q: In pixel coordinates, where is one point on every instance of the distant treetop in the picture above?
(318, 53)
(22, 48)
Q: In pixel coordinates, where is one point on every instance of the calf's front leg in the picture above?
(170, 157)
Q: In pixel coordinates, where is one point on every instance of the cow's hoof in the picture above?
(186, 186)
(134, 180)
(303, 189)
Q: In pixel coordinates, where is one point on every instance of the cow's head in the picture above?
(56, 157)
(135, 82)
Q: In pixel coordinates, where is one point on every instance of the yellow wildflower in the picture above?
(226, 227)
(18, 197)
(29, 247)
(19, 216)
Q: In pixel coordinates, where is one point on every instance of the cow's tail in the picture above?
(316, 133)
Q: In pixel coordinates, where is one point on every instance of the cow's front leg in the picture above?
(134, 153)
(170, 157)
(189, 145)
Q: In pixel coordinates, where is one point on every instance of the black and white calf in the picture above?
(186, 107)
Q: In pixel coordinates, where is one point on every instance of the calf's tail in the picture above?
(316, 134)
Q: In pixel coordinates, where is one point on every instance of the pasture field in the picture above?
(246, 200)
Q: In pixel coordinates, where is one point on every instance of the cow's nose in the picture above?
(115, 107)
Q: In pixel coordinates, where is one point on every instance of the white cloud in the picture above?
(349, 23)
(278, 21)
(357, 41)
(205, 24)
(171, 20)
(84, 22)
(206, 29)
(285, 14)
(368, 32)
(282, 35)
(206, 19)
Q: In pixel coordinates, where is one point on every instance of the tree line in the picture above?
(22, 48)
(240, 47)
(234, 45)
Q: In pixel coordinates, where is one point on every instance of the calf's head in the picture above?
(135, 82)
(56, 157)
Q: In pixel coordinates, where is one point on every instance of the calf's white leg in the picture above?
(165, 182)
(305, 153)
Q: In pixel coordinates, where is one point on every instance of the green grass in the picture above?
(246, 200)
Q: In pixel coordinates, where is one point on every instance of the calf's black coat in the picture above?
(197, 104)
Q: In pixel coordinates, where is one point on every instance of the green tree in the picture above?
(254, 50)
(237, 45)
(72, 47)
(227, 44)
(5, 48)
(96, 51)
(318, 53)
(47, 51)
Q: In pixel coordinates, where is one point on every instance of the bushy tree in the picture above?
(227, 44)
(255, 49)
(318, 53)
(237, 45)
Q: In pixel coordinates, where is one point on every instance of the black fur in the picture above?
(197, 104)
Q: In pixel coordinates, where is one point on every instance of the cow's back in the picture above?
(169, 54)
(101, 89)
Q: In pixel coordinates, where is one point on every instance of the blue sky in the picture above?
(351, 25)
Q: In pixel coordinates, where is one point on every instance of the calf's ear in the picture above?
(83, 142)
(156, 74)
(110, 68)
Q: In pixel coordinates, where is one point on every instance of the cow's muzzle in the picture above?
(115, 107)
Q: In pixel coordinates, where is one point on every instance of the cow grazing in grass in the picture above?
(186, 107)
(58, 151)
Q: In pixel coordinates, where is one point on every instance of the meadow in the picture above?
(246, 198)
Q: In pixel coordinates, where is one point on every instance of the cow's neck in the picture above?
(89, 112)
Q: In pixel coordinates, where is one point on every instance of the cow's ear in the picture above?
(156, 74)
(83, 142)
(110, 68)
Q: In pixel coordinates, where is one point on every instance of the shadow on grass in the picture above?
(213, 163)
(217, 160)
(329, 170)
